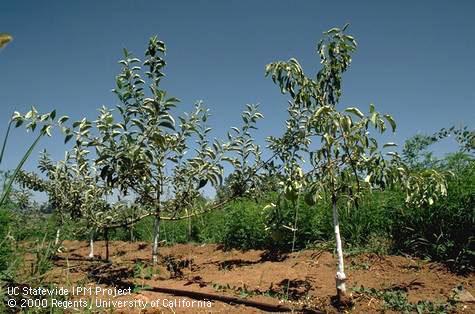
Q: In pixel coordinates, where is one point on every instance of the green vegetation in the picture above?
(328, 183)
(396, 300)
(443, 231)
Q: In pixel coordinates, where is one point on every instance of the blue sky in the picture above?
(415, 59)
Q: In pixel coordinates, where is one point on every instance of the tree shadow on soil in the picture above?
(109, 275)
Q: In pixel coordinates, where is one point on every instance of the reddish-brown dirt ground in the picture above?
(307, 277)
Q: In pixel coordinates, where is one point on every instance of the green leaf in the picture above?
(167, 124)
(5, 39)
(67, 138)
(322, 110)
(371, 108)
(202, 183)
(346, 123)
(391, 121)
(328, 138)
(355, 111)
(8, 185)
(5, 140)
(47, 130)
(32, 126)
(368, 178)
(63, 119)
(19, 122)
(373, 117)
(332, 31)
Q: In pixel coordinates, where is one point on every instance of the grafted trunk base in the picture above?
(343, 299)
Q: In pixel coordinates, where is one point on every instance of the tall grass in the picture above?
(9, 182)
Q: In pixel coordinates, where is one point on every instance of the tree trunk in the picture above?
(91, 244)
(106, 238)
(131, 233)
(156, 238)
(189, 225)
(340, 274)
(156, 224)
(189, 229)
(56, 240)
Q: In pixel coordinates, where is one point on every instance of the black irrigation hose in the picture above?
(233, 300)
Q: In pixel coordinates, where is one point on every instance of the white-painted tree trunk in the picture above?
(131, 233)
(91, 244)
(56, 239)
(156, 238)
(340, 274)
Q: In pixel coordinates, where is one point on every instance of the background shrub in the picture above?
(445, 231)
(243, 226)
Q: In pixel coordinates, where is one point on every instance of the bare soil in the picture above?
(301, 280)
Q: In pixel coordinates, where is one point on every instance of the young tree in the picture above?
(415, 152)
(345, 161)
(53, 185)
(245, 156)
(74, 190)
(143, 155)
(142, 152)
